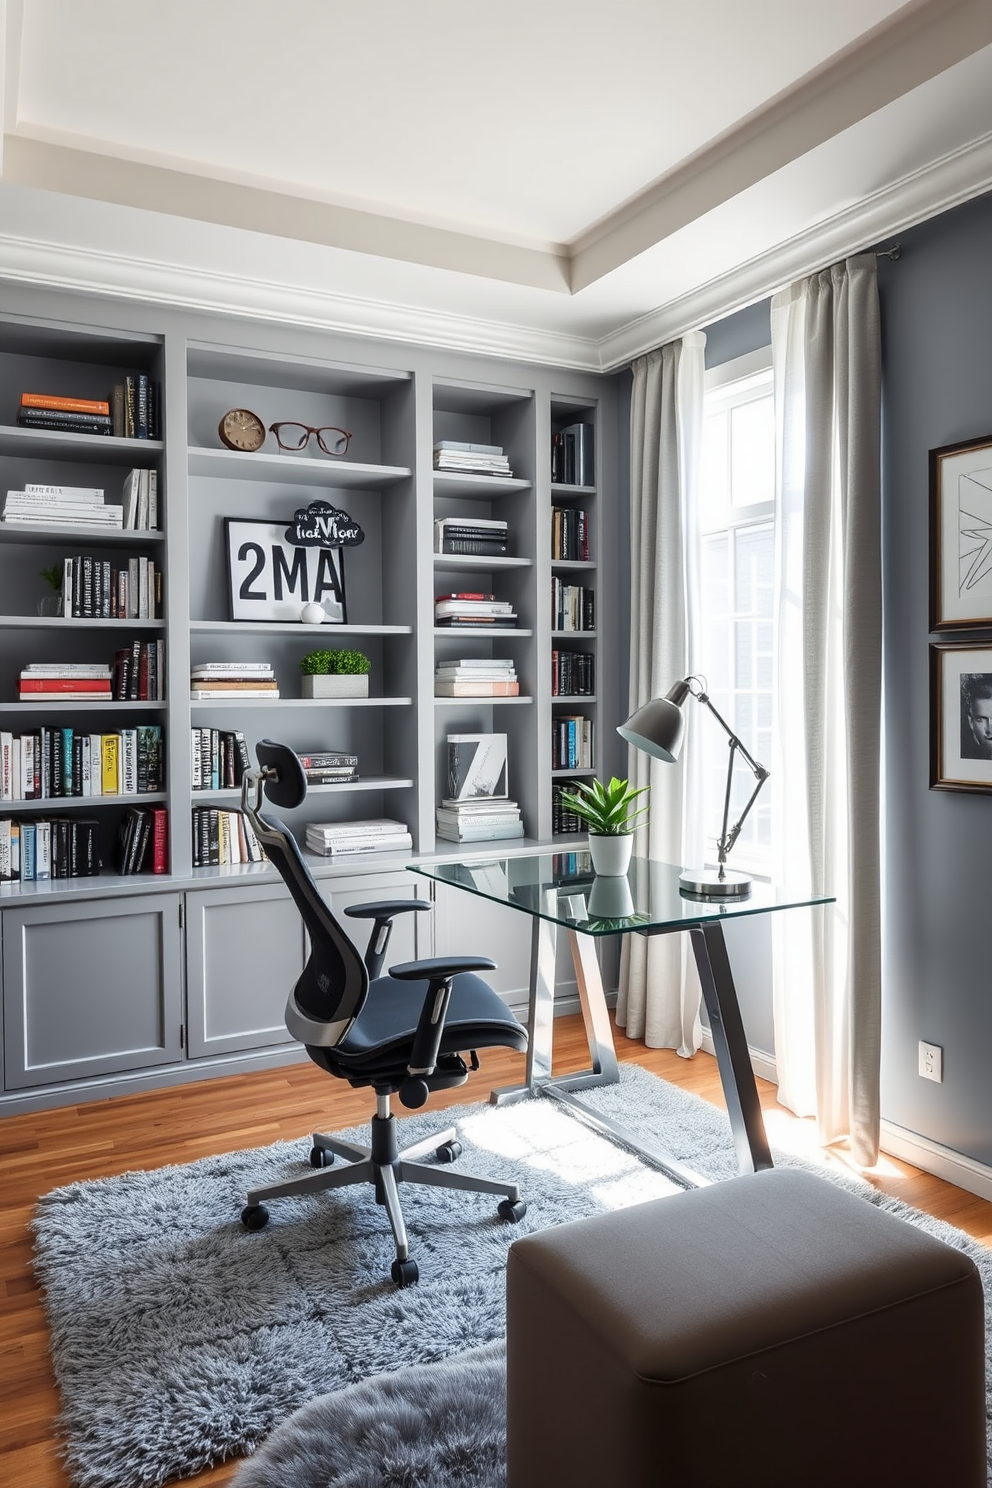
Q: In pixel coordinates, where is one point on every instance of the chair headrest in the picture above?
(287, 787)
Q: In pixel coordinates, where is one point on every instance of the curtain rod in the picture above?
(891, 253)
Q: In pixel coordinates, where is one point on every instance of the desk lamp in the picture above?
(658, 728)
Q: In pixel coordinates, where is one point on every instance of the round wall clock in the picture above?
(240, 429)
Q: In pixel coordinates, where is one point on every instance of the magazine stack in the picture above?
(348, 839)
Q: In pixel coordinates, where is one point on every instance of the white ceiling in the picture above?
(578, 175)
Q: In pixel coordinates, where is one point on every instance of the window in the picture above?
(737, 565)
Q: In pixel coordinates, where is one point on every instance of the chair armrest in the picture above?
(442, 968)
(382, 909)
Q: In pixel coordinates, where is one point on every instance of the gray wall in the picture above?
(937, 388)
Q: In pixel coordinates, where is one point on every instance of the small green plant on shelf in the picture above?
(611, 812)
(53, 576)
(51, 604)
(335, 674)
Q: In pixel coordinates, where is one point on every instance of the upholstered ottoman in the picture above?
(771, 1330)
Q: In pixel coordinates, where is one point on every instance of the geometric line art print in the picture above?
(975, 533)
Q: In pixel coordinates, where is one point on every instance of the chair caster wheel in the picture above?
(320, 1157)
(405, 1273)
(449, 1152)
(512, 1210)
(254, 1216)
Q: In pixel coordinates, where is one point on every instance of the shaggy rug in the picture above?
(179, 1339)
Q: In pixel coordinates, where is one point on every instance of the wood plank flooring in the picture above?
(39, 1152)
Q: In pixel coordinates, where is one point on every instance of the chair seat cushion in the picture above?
(381, 1035)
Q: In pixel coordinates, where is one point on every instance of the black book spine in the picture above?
(55, 766)
(474, 547)
(75, 426)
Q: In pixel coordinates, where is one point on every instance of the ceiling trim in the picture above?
(946, 183)
(916, 43)
(100, 176)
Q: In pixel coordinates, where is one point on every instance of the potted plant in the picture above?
(51, 604)
(611, 813)
(335, 674)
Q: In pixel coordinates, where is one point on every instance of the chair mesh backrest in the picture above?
(334, 983)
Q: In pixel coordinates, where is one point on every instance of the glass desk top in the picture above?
(562, 888)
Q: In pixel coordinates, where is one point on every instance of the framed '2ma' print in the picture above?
(961, 535)
(961, 715)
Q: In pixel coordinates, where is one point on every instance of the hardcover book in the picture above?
(476, 766)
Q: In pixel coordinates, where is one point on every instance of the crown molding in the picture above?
(92, 271)
(955, 178)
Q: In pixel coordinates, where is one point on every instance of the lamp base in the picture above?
(707, 883)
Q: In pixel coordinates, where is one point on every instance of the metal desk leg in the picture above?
(595, 1014)
(540, 1013)
(736, 1074)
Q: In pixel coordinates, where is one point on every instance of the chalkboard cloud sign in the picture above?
(321, 525)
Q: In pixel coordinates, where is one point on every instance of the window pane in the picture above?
(715, 468)
(752, 452)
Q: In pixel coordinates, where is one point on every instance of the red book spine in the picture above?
(64, 684)
(160, 819)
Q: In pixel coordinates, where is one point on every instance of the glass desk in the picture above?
(560, 892)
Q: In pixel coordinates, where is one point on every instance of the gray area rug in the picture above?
(179, 1339)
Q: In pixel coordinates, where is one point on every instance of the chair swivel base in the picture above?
(386, 1167)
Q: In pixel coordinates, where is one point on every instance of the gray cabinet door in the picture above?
(90, 989)
(245, 949)
(466, 925)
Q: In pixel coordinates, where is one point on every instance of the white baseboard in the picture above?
(762, 1064)
(943, 1162)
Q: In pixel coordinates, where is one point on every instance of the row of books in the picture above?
(61, 506)
(139, 501)
(51, 762)
(572, 462)
(62, 847)
(348, 839)
(223, 837)
(563, 820)
(569, 534)
(573, 607)
(467, 609)
(133, 411)
(486, 537)
(143, 840)
(92, 589)
(481, 820)
(137, 674)
(214, 680)
(218, 758)
(476, 677)
(471, 459)
(571, 742)
(573, 673)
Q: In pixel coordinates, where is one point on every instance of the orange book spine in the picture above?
(64, 405)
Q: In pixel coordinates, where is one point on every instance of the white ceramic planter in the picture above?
(335, 685)
(610, 897)
(611, 854)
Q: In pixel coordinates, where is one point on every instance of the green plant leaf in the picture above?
(607, 810)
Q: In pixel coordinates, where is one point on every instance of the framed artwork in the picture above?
(271, 578)
(961, 535)
(961, 715)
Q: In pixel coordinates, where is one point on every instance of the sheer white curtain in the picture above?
(659, 992)
(825, 768)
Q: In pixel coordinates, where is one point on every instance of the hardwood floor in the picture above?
(42, 1151)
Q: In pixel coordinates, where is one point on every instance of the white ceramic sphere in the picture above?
(313, 614)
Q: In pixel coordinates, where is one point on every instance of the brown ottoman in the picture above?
(771, 1330)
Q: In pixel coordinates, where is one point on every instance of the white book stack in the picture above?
(458, 611)
(61, 506)
(479, 820)
(471, 459)
(212, 681)
(346, 839)
(476, 677)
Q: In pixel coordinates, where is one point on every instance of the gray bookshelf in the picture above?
(189, 1016)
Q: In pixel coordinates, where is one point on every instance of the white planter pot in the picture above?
(611, 854)
(610, 897)
(333, 685)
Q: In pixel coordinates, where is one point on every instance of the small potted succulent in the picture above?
(335, 674)
(51, 604)
(611, 812)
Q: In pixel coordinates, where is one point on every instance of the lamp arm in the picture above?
(728, 838)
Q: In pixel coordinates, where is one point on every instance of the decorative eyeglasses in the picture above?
(295, 437)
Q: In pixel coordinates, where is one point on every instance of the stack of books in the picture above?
(347, 839)
(62, 847)
(564, 821)
(479, 820)
(139, 672)
(218, 758)
(93, 589)
(569, 534)
(469, 609)
(471, 459)
(571, 742)
(572, 461)
(52, 762)
(61, 506)
(573, 673)
(139, 501)
(142, 840)
(329, 767)
(137, 408)
(213, 680)
(470, 678)
(222, 838)
(573, 607)
(69, 682)
(483, 537)
(66, 415)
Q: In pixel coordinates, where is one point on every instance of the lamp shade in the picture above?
(658, 727)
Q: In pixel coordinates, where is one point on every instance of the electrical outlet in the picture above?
(931, 1062)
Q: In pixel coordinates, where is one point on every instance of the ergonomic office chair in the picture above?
(403, 1034)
